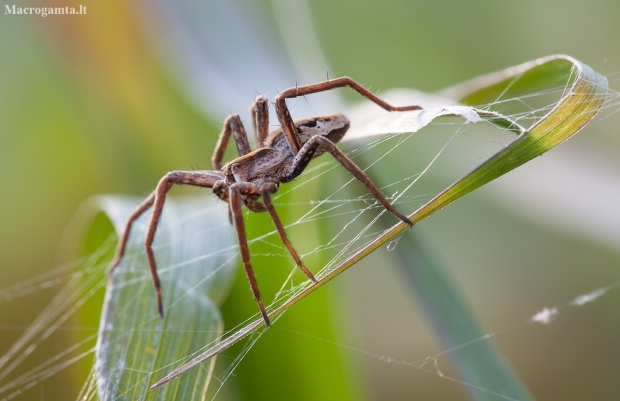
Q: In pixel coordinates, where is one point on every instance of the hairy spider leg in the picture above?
(122, 243)
(235, 198)
(234, 126)
(305, 155)
(235, 201)
(286, 121)
(205, 179)
(260, 119)
(266, 192)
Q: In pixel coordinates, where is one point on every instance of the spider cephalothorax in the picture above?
(255, 175)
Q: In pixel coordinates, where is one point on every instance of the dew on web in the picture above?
(546, 316)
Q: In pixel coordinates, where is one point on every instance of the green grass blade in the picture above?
(196, 265)
(482, 369)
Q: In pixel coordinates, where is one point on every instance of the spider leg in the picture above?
(260, 119)
(122, 243)
(286, 121)
(235, 202)
(234, 126)
(204, 179)
(266, 192)
(305, 155)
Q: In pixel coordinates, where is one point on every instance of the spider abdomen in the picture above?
(333, 127)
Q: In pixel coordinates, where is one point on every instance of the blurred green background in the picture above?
(92, 104)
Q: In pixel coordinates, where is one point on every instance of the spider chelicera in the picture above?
(256, 174)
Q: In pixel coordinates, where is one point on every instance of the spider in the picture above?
(256, 174)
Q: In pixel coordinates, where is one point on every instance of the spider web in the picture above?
(410, 169)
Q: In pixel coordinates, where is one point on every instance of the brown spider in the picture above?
(282, 156)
